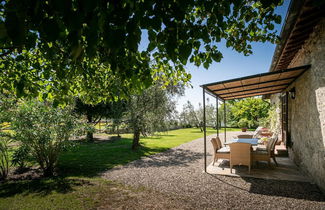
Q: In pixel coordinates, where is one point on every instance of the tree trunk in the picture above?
(90, 136)
(118, 131)
(48, 171)
(136, 139)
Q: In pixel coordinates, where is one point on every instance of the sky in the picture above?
(232, 65)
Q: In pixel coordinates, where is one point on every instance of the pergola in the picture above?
(249, 86)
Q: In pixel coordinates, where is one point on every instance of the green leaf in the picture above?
(185, 51)
(217, 56)
(151, 47)
(206, 65)
(278, 19)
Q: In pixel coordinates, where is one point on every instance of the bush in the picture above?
(4, 156)
(6, 103)
(243, 123)
(44, 130)
(264, 122)
(21, 156)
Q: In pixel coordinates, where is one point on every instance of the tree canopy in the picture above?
(247, 112)
(58, 48)
(151, 111)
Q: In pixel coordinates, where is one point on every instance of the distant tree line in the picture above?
(249, 113)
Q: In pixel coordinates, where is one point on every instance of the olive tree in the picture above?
(151, 111)
(189, 116)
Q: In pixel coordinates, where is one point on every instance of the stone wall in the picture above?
(307, 110)
(275, 124)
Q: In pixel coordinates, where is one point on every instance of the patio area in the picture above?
(247, 149)
(286, 170)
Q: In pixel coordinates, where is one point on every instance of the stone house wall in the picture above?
(307, 110)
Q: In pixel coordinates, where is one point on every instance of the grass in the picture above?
(79, 163)
(58, 193)
(79, 185)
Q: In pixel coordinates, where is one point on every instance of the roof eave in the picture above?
(290, 20)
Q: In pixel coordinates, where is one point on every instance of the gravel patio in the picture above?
(177, 173)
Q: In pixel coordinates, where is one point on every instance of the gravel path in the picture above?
(178, 174)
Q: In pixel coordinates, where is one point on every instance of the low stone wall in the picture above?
(307, 110)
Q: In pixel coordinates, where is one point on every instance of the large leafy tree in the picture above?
(57, 48)
(252, 110)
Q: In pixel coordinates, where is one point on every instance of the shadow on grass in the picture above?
(40, 187)
(279, 188)
(89, 160)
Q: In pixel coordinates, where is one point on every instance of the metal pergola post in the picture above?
(225, 120)
(217, 105)
(205, 135)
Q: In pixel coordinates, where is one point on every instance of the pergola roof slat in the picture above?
(254, 85)
(255, 89)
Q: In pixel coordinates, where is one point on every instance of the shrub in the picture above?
(243, 123)
(4, 156)
(264, 122)
(45, 130)
(6, 104)
(21, 156)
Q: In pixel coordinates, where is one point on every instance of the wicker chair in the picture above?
(265, 154)
(245, 136)
(240, 154)
(219, 151)
(256, 134)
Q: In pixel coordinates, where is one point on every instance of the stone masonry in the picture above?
(307, 110)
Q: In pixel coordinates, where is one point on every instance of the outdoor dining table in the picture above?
(253, 142)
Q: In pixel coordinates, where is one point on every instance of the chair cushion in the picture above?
(260, 152)
(261, 148)
(224, 150)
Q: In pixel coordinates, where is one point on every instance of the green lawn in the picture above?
(78, 182)
(89, 159)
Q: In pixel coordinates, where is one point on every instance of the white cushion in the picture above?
(224, 150)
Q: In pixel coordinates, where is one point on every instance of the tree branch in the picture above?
(97, 120)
